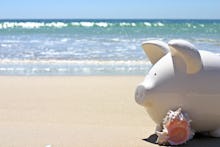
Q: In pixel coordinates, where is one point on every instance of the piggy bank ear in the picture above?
(187, 51)
(155, 49)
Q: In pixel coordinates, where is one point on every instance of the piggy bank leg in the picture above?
(215, 133)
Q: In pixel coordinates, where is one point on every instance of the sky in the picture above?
(111, 9)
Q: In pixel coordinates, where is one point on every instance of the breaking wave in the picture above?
(37, 25)
(65, 67)
(75, 62)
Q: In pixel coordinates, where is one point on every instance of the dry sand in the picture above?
(75, 112)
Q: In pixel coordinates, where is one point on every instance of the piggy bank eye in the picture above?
(155, 74)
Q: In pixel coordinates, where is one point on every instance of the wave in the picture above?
(73, 67)
(75, 62)
(105, 24)
(38, 25)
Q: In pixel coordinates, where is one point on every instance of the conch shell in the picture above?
(176, 129)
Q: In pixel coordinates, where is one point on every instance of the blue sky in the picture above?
(189, 9)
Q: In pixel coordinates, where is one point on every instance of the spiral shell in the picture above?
(176, 128)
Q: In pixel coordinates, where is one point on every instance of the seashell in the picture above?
(176, 128)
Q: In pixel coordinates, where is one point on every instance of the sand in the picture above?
(75, 112)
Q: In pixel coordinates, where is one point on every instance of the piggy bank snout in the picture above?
(141, 94)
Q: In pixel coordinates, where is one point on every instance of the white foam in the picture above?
(62, 69)
(124, 24)
(3, 69)
(56, 24)
(19, 69)
(31, 25)
(76, 62)
(102, 24)
(188, 25)
(64, 39)
(202, 25)
(34, 69)
(133, 24)
(75, 24)
(34, 41)
(147, 24)
(87, 24)
(116, 39)
(6, 25)
(6, 45)
(159, 24)
(47, 69)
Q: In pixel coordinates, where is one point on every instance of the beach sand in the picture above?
(72, 111)
(75, 111)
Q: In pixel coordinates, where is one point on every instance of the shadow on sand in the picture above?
(198, 140)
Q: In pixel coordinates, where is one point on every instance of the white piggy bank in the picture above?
(182, 76)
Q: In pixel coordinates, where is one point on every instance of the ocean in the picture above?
(54, 47)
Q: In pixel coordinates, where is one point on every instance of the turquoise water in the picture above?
(93, 47)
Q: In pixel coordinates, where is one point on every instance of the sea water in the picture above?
(93, 47)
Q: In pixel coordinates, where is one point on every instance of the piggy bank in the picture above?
(182, 77)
